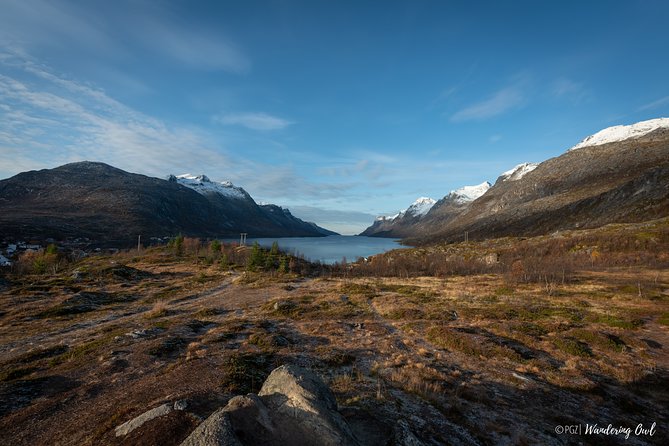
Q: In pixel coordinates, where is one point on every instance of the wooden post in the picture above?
(139, 243)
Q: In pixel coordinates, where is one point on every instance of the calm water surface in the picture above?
(331, 249)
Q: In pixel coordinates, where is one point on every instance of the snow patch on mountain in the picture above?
(421, 206)
(622, 132)
(203, 185)
(418, 208)
(518, 172)
(469, 193)
(389, 217)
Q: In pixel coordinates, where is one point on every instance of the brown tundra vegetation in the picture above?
(501, 341)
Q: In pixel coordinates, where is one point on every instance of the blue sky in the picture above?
(338, 110)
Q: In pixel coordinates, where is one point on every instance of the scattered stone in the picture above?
(181, 405)
(283, 306)
(521, 377)
(129, 426)
(344, 298)
(137, 334)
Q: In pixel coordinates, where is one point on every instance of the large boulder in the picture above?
(294, 407)
(214, 431)
(304, 408)
(252, 420)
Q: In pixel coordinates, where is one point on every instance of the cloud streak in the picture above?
(84, 27)
(576, 92)
(253, 121)
(47, 120)
(200, 49)
(655, 104)
(502, 101)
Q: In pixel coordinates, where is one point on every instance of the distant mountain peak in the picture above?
(622, 132)
(517, 172)
(388, 217)
(203, 185)
(421, 206)
(466, 194)
(418, 208)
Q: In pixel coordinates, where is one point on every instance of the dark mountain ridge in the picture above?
(105, 204)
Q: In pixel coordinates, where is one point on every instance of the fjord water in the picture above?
(331, 249)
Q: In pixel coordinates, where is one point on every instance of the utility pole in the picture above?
(466, 236)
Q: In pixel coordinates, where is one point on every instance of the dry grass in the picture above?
(479, 348)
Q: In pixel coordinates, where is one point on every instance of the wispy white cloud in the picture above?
(51, 128)
(576, 92)
(500, 102)
(346, 169)
(90, 29)
(61, 25)
(254, 121)
(196, 48)
(52, 120)
(47, 120)
(655, 104)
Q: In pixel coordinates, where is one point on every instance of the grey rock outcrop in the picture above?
(294, 407)
(214, 431)
(305, 408)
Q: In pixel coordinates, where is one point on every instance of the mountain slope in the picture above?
(103, 203)
(412, 221)
(611, 180)
(449, 207)
(400, 224)
(260, 220)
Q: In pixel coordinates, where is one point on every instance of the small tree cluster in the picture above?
(176, 245)
(268, 260)
(44, 261)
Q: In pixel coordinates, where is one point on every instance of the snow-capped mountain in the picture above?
(110, 206)
(203, 185)
(622, 180)
(388, 225)
(241, 206)
(418, 208)
(623, 132)
(425, 210)
(467, 194)
(619, 174)
(421, 206)
(517, 172)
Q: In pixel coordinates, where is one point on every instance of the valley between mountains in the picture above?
(519, 309)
